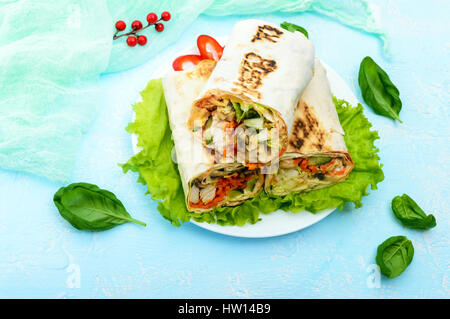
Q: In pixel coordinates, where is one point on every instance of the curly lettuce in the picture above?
(160, 174)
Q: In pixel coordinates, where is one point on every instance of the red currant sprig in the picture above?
(132, 37)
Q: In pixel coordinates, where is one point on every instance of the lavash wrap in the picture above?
(264, 64)
(316, 131)
(180, 89)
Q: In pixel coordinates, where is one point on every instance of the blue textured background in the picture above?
(40, 253)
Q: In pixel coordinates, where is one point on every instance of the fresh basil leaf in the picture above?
(394, 255)
(293, 27)
(87, 207)
(410, 214)
(378, 91)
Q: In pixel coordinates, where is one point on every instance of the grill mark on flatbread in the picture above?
(268, 33)
(251, 73)
(307, 133)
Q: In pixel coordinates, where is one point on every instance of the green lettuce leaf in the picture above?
(157, 170)
(154, 162)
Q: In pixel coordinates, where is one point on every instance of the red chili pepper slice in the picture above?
(178, 63)
(208, 46)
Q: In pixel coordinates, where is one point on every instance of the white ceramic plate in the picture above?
(279, 222)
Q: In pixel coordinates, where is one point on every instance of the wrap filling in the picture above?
(250, 132)
(224, 186)
(304, 174)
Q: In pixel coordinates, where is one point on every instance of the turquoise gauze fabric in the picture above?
(53, 52)
(50, 62)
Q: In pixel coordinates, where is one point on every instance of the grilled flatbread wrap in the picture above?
(316, 156)
(206, 184)
(254, 89)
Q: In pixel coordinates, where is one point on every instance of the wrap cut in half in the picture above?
(206, 184)
(316, 155)
(247, 105)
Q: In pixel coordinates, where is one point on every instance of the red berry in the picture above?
(152, 18)
(165, 16)
(159, 27)
(132, 41)
(136, 25)
(142, 39)
(120, 25)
